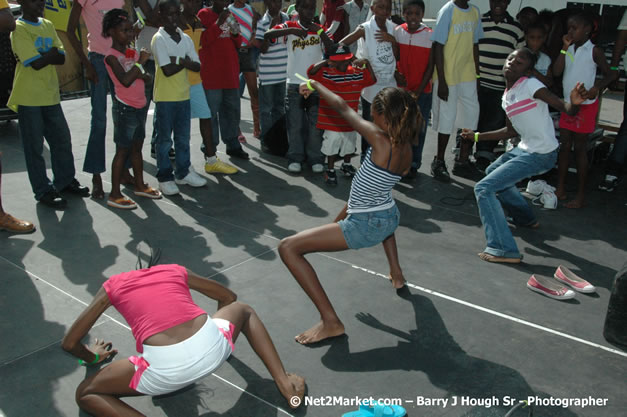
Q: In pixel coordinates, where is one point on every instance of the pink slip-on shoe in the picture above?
(566, 276)
(549, 288)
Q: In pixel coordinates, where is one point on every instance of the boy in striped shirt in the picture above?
(345, 77)
(272, 69)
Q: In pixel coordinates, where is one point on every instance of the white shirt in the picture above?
(582, 69)
(543, 64)
(381, 57)
(356, 16)
(530, 116)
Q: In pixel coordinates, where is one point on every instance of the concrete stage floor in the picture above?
(464, 331)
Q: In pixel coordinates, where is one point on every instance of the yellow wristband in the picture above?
(572, 58)
(478, 76)
(476, 137)
(309, 85)
(141, 68)
(320, 31)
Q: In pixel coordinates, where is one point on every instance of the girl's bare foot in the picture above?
(97, 191)
(561, 195)
(294, 391)
(320, 332)
(575, 204)
(398, 280)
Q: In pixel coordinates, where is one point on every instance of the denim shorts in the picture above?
(363, 230)
(126, 120)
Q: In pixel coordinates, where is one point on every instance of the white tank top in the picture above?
(580, 69)
(381, 57)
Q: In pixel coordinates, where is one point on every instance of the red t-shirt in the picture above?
(219, 63)
(415, 49)
(347, 85)
(332, 12)
(152, 300)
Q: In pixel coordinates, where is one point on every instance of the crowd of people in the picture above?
(483, 77)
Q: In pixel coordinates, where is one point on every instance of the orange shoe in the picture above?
(13, 225)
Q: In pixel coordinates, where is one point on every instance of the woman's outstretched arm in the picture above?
(211, 289)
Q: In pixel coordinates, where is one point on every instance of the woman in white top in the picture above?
(526, 102)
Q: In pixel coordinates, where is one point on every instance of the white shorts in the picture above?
(198, 103)
(338, 143)
(461, 110)
(163, 369)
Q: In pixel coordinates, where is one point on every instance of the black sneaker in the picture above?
(348, 170)
(609, 183)
(53, 199)
(439, 171)
(466, 170)
(76, 188)
(330, 178)
(238, 153)
(153, 152)
(172, 154)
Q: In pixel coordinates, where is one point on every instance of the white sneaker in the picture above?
(294, 167)
(192, 179)
(535, 187)
(317, 168)
(169, 188)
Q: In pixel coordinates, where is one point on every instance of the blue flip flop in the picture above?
(377, 410)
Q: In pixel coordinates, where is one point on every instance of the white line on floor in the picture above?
(128, 328)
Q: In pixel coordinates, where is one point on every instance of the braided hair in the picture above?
(111, 19)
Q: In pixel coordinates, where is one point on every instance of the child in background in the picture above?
(125, 67)
(305, 41)
(526, 17)
(377, 44)
(333, 20)
(344, 76)
(356, 12)
(99, 82)
(174, 54)
(220, 74)
(535, 37)
(199, 108)
(456, 57)
(35, 98)
(272, 69)
(415, 63)
(247, 18)
(578, 61)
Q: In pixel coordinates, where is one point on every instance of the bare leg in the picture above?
(331, 161)
(137, 162)
(328, 238)
(442, 143)
(99, 395)
(581, 157)
(117, 171)
(97, 190)
(207, 137)
(464, 151)
(391, 252)
(251, 84)
(566, 142)
(246, 320)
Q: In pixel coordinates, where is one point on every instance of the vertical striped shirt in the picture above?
(371, 189)
(272, 63)
(500, 40)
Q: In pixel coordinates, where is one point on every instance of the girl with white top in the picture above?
(578, 61)
(525, 102)
(371, 215)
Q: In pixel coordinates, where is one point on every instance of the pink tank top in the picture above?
(133, 95)
(152, 300)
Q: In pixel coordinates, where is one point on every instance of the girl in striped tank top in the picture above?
(371, 215)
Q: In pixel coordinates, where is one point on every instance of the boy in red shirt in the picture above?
(416, 65)
(346, 77)
(219, 71)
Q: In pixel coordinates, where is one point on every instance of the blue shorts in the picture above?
(198, 103)
(362, 230)
(127, 121)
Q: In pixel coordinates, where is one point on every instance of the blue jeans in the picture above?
(271, 106)
(225, 112)
(35, 124)
(127, 121)
(95, 155)
(497, 193)
(149, 66)
(304, 139)
(424, 103)
(172, 116)
(616, 160)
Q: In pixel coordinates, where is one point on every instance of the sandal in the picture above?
(498, 259)
(149, 192)
(122, 203)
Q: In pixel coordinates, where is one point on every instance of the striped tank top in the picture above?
(244, 17)
(371, 189)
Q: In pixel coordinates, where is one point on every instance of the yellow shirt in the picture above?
(175, 87)
(4, 4)
(31, 87)
(194, 77)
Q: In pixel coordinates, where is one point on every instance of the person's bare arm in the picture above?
(126, 78)
(152, 14)
(438, 52)
(426, 77)
(174, 68)
(608, 76)
(317, 67)
(52, 57)
(277, 33)
(71, 342)
(7, 21)
(72, 27)
(504, 133)
(577, 96)
(211, 289)
(353, 37)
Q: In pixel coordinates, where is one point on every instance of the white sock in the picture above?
(211, 159)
